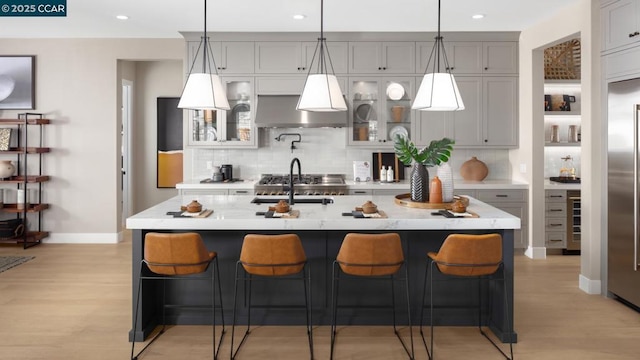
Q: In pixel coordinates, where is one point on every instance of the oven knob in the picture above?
(280, 193)
(326, 193)
(340, 192)
(333, 193)
(273, 193)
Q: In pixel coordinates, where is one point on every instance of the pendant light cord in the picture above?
(204, 39)
(322, 64)
(438, 41)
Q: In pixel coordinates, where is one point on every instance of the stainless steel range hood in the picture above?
(279, 111)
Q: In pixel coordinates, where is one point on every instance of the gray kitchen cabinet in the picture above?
(234, 128)
(500, 57)
(381, 108)
(555, 219)
(287, 85)
(513, 201)
(473, 57)
(371, 57)
(620, 23)
(338, 51)
(489, 120)
(291, 57)
(231, 57)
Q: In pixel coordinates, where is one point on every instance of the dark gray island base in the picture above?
(456, 301)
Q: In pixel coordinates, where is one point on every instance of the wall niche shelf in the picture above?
(27, 177)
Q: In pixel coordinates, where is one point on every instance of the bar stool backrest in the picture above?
(370, 254)
(469, 255)
(176, 254)
(272, 255)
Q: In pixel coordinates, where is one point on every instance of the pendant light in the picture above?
(204, 90)
(438, 90)
(321, 90)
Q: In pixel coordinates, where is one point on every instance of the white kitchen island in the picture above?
(322, 228)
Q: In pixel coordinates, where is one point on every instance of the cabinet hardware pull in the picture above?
(486, 140)
(384, 68)
(359, 192)
(555, 224)
(555, 196)
(502, 195)
(555, 209)
(555, 240)
(241, 191)
(299, 68)
(379, 67)
(453, 67)
(486, 68)
(634, 34)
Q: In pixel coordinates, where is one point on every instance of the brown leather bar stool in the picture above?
(371, 256)
(467, 256)
(178, 257)
(271, 257)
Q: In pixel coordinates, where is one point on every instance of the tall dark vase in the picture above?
(419, 183)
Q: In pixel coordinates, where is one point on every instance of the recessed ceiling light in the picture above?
(122, 17)
(477, 16)
(299, 17)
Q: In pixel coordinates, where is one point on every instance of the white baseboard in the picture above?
(536, 252)
(83, 238)
(589, 286)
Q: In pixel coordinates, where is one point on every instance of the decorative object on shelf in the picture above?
(11, 228)
(547, 103)
(563, 61)
(17, 72)
(5, 139)
(321, 91)
(573, 133)
(395, 91)
(397, 113)
(22, 199)
(445, 174)
(7, 169)
(474, 170)
(438, 90)
(437, 152)
(567, 170)
(435, 190)
(555, 134)
(204, 90)
(562, 102)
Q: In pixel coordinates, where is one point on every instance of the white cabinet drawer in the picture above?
(203, 192)
(240, 191)
(553, 209)
(360, 192)
(556, 240)
(555, 224)
(495, 196)
(556, 196)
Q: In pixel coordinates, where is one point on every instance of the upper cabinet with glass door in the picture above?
(232, 128)
(381, 109)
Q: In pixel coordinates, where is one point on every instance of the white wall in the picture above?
(78, 87)
(581, 20)
(153, 79)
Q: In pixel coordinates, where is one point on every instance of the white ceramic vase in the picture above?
(445, 174)
(7, 169)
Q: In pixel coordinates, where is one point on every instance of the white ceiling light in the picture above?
(477, 16)
(204, 90)
(299, 17)
(122, 17)
(321, 90)
(438, 90)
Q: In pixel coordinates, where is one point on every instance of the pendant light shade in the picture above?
(438, 90)
(321, 92)
(204, 90)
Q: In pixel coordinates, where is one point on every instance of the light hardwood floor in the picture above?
(74, 302)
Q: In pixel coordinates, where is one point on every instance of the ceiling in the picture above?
(166, 18)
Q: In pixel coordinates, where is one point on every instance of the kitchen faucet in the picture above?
(293, 143)
(291, 191)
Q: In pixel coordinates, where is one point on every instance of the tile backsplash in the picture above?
(321, 151)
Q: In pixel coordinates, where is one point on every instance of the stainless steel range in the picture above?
(309, 184)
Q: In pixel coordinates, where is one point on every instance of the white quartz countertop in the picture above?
(236, 212)
(457, 184)
(195, 184)
(552, 185)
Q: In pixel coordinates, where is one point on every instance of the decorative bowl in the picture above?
(282, 206)
(194, 207)
(369, 208)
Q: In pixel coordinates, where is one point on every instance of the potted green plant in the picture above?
(438, 151)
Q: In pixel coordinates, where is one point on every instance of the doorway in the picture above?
(125, 161)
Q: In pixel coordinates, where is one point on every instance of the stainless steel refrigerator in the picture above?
(623, 278)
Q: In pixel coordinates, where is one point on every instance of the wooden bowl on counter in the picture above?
(194, 207)
(282, 206)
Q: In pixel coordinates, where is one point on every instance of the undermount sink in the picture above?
(275, 199)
